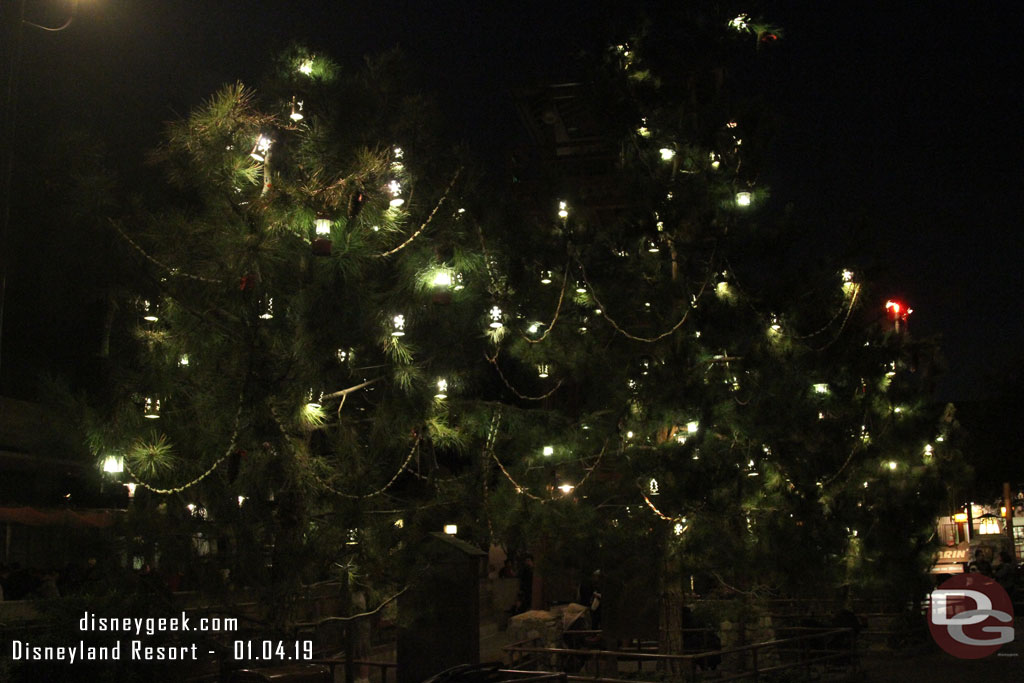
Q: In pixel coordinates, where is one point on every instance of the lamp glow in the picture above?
(323, 226)
(451, 529)
(563, 210)
(398, 326)
(442, 278)
(495, 314)
(151, 408)
(113, 464)
(743, 198)
(442, 389)
(261, 148)
(566, 488)
(667, 153)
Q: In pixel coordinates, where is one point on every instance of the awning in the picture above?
(31, 516)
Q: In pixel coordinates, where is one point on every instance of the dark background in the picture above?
(898, 131)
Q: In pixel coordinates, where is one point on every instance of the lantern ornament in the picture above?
(451, 529)
(395, 188)
(667, 153)
(548, 451)
(496, 316)
(268, 309)
(296, 114)
(744, 198)
(442, 389)
(398, 326)
(821, 388)
(566, 489)
(546, 277)
(149, 311)
(151, 408)
(313, 400)
(113, 464)
(183, 360)
(306, 67)
(715, 159)
(543, 370)
(322, 242)
(563, 210)
(652, 487)
(442, 278)
(740, 22)
(261, 149)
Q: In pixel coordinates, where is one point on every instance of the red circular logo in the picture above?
(970, 616)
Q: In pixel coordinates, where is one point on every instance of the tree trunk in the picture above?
(670, 622)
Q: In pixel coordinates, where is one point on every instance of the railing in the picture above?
(804, 651)
(333, 662)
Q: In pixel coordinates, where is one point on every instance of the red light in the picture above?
(897, 310)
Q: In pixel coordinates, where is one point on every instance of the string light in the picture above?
(667, 153)
(548, 451)
(398, 326)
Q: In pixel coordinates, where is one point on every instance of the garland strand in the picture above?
(160, 264)
(624, 333)
(204, 475)
(558, 311)
(494, 361)
(423, 227)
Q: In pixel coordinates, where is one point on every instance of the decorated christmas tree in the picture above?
(625, 359)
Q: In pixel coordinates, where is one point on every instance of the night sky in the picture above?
(898, 128)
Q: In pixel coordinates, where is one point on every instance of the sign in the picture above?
(970, 616)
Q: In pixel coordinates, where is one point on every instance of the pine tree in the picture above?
(344, 340)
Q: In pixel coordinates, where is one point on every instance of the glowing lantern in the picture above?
(306, 67)
(261, 149)
(563, 210)
(113, 464)
(496, 315)
(442, 389)
(566, 488)
(548, 451)
(151, 408)
(451, 529)
(296, 114)
(743, 198)
(667, 153)
(398, 326)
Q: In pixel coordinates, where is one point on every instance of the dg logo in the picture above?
(971, 616)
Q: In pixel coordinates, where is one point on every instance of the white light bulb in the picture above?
(667, 153)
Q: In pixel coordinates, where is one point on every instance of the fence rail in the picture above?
(802, 651)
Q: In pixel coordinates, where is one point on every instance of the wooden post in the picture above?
(1008, 518)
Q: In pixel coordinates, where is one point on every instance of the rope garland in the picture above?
(494, 361)
(386, 486)
(160, 264)
(204, 475)
(423, 227)
(624, 333)
(558, 311)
